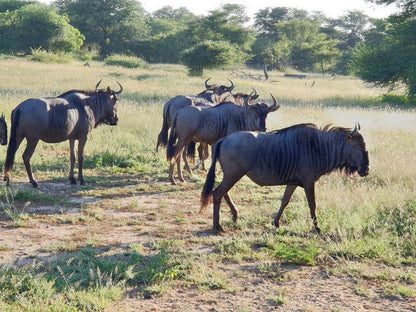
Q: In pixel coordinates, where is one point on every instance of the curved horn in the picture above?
(230, 88)
(2, 115)
(355, 130)
(255, 95)
(207, 86)
(98, 83)
(274, 106)
(121, 88)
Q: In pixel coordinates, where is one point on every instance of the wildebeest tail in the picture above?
(162, 138)
(190, 150)
(170, 152)
(206, 195)
(12, 148)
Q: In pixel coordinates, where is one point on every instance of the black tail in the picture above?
(190, 151)
(210, 180)
(171, 149)
(162, 138)
(12, 148)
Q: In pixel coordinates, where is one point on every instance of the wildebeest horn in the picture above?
(274, 100)
(230, 88)
(355, 130)
(207, 86)
(98, 83)
(274, 106)
(121, 88)
(2, 115)
(254, 95)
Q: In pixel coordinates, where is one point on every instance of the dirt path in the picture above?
(290, 288)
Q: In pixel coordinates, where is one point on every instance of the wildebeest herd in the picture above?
(231, 123)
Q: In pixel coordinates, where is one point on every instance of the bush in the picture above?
(125, 61)
(399, 100)
(40, 55)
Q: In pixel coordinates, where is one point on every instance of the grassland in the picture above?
(130, 241)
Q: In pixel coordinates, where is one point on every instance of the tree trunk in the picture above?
(266, 75)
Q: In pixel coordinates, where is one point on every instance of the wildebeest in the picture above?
(294, 156)
(211, 124)
(213, 94)
(240, 98)
(70, 116)
(3, 130)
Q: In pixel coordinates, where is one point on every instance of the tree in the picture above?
(167, 21)
(209, 54)
(390, 59)
(309, 48)
(349, 29)
(37, 26)
(116, 26)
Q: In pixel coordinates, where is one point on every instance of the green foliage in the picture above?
(35, 26)
(125, 61)
(210, 54)
(40, 55)
(403, 101)
(391, 62)
(116, 26)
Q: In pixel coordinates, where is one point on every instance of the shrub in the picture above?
(43, 56)
(125, 61)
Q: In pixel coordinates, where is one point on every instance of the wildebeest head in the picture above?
(243, 99)
(261, 110)
(3, 130)
(356, 153)
(220, 90)
(110, 104)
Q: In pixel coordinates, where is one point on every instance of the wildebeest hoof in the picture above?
(73, 181)
(218, 229)
(318, 230)
(34, 184)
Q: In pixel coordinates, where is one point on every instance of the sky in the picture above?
(331, 8)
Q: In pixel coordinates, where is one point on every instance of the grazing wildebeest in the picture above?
(70, 116)
(211, 124)
(295, 156)
(3, 130)
(213, 94)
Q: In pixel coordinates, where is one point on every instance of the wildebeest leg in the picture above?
(72, 161)
(285, 201)
(203, 155)
(81, 145)
(178, 165)
(27, 154)
(179, 148)
(230, 203)
(172, 167)
(310, 196)
(185, 160)
(219, 192)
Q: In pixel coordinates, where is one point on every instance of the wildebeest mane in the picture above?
(326, 128)
(327, 144)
